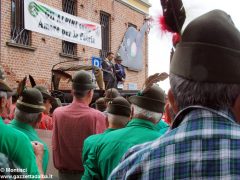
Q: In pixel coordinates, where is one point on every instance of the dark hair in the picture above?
(109, 53)
(100, 104)
(15, 98)
(45, 100)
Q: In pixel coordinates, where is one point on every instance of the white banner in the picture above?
(44, 19)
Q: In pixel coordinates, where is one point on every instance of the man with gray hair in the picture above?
(147, 108)
(15, 144)
(28, 113)
(118, 112)
(204, 142)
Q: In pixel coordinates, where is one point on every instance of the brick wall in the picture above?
(19, 62)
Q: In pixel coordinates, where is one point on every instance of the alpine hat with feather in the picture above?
(209, 50)
(30, 101)
(151, 97)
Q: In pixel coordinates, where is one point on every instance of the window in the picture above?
(132, 25)
(105, 24)
(18, 33)
(69, 48)
(69, 6)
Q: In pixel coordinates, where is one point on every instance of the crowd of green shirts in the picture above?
(103, 152)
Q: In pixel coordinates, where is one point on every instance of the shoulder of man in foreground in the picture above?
(24, 158)
(91, 166)
(163, 153)
(133, 160)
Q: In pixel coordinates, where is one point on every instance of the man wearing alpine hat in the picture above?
(15, 144)
(73, 124)
(46, 121)
(28, 113)
(118, 110)
(204, 142)
(147, 109)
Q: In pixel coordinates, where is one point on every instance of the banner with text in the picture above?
(44, 19)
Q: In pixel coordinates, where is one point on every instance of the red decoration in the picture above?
(90, 26)
(175, 39)
(164, 27)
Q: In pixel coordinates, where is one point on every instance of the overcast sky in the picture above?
(160, 44)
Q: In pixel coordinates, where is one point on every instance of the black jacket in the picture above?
(108, 71)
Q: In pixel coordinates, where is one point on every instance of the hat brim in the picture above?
(10, 94)
(4, 86)
(29, 108)
(147, 103)
(47, 96)
(201, 62)
(118, 109)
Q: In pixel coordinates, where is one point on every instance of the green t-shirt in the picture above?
(33, 136)
(17, 146)
(107, 153)
(91, 141)
(162, 127)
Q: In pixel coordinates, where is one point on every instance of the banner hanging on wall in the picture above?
(47, 20)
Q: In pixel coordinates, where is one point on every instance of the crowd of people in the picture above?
(78, 130)
(192, 132)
